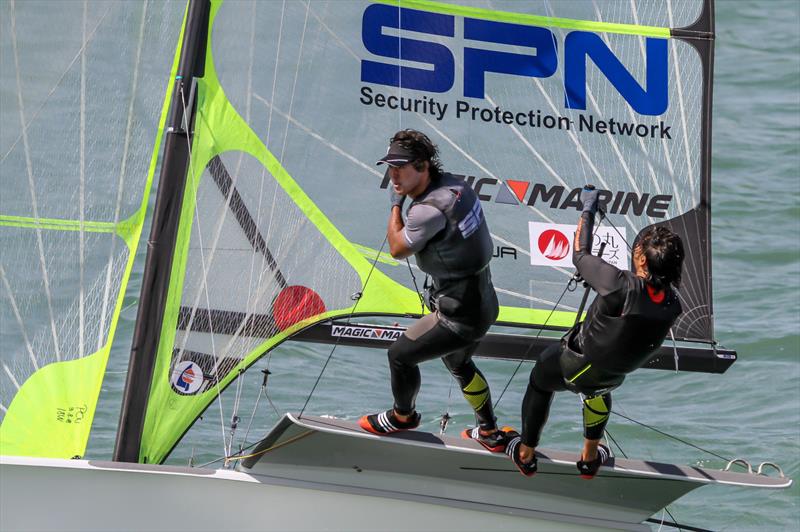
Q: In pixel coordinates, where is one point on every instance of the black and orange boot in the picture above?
(589, 469)
(387, 423)
(494, 442)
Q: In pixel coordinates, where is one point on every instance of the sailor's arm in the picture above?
(423, 222)
(398, 247)
(599, 274)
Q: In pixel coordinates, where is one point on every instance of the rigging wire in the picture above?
(357, 297)
(234, 414)
(666, 509)
(571, 283)
(571, 286)
(188, 131)
(712, 453)
(416, 287)
(261, 392)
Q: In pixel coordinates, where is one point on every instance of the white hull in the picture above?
(50, 494)
(328, 474)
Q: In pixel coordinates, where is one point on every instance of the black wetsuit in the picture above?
(625, 323)
(447, 231)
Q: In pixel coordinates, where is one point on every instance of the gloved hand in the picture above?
(395, 199)
(589, 197)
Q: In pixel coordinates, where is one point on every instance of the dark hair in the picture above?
(423, 149)
(663, 251)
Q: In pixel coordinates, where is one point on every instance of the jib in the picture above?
(578, 45)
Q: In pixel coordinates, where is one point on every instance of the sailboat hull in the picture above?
(315, 473)
(49, 494)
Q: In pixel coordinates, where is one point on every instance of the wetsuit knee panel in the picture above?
(476, 392)
(596, 411)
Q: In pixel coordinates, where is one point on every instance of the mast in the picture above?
(163, 234)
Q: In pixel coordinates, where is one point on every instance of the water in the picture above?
(752, 411)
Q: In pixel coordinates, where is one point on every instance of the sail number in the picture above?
(477, 61)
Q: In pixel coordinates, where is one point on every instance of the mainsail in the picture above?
(284, 212)
(78, 148)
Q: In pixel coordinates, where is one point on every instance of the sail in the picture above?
(82, 100)
(285, 211)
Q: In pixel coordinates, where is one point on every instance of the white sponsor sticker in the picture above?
(369, 333)
(187, 377)
(551, 245)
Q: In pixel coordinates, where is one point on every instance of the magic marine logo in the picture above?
(515, 192)
(367, 333)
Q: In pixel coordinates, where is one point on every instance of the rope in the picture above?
(357, 297)
(265, 451)
(674, 521)
(573, 282)
(712, 453)
(186, 123)
(530, 345)
(416, 287)
(259, 453)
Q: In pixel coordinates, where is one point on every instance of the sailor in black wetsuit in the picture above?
(447, 233)
(627, 321)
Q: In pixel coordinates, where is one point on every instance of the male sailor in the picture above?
(627, 321)
(446, 231)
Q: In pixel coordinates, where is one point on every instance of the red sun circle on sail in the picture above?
(553, 244)
(294, 304)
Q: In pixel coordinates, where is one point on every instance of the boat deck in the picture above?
(416, 465)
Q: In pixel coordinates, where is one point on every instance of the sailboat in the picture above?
(263, 122)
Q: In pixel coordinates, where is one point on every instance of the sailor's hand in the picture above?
(589, 197)
(395, 199)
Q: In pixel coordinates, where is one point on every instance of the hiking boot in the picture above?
(512, 450)
(387, 423)
(589, 469)
(494, 442)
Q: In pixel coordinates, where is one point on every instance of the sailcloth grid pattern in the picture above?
(81, 107)
(527, 100)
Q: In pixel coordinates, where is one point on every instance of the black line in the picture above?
(227, 322)
(623, 477)
(677, 525)
(225, 183)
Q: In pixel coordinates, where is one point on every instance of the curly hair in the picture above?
(423, 149)
(663, 251)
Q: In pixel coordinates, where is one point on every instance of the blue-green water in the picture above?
(752, 411)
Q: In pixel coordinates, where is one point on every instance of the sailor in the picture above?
(446, 231)
(627, 321)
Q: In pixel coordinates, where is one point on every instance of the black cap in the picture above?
(396, 155)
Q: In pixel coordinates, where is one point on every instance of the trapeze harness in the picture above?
(624, 325)
(447, 231)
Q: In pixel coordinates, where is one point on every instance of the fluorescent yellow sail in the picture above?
(81, 130)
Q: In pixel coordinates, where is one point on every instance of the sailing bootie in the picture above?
(512, 450)
(495, 442)
(589, 469)
(387, 423)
